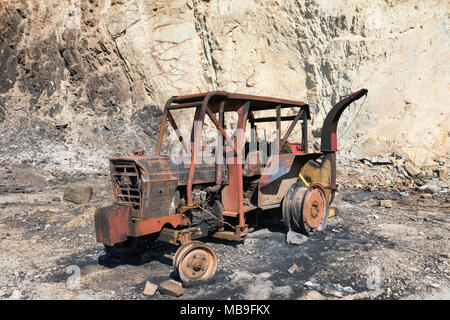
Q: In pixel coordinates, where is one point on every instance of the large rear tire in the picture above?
(305, 209)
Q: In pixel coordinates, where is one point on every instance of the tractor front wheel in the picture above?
(127, 248)
(195, 262)
(132, 247)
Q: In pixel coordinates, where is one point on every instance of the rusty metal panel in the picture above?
(276, 179)
(111, 224)
(204, 173)
(158, 198)
(230, 195)
(320, 173)
(159, 168)
(159, 182)
(140, 228)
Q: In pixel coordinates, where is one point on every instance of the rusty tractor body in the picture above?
(177, 202)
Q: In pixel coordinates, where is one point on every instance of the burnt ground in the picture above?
(403, 251)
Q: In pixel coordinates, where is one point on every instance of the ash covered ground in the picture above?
(368, 251)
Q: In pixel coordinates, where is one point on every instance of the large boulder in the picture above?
(78, 193)
(420, 156)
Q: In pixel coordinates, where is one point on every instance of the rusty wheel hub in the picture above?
(195, 261)
(314, 208)
(195, 264)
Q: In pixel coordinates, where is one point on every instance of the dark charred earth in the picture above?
(367, 251)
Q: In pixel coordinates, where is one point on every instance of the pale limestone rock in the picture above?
(296, 238)
(386, 203)
(78, 193)
(293, 268)
(313, 295)
(150, 288)
(420, 156)
(119, 56)
(171, 287)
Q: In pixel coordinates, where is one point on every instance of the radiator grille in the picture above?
(126, 183)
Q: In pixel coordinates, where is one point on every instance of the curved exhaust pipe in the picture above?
(328, 144)
(328, 137)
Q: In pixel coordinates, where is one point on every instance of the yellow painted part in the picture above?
(303, 179)
(331, 212)
(311, 174)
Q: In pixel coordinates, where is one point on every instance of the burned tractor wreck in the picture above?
(210, 192)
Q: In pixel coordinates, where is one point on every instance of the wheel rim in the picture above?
(305, 209)
(181, 250)
(313, 208)
(196, 262)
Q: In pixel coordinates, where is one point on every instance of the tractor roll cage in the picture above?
(219, 102)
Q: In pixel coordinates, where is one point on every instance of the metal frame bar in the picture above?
(162, 128)
(305, 132)
(177, 131)
(242, 120)
(279, 126)
(185, 105)
(272, 119)
(291, 127)
(219, 126)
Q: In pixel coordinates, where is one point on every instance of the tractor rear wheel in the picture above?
(132, 247)
(195, 262)
(305, 209)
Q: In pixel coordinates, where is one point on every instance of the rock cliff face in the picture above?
(81, 80)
